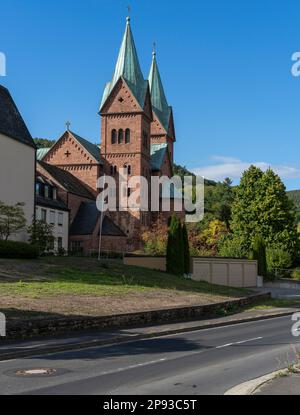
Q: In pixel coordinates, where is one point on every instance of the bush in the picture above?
(278, 258)
(230, 246)
(296, 274)
(18, 250)
(175, 248)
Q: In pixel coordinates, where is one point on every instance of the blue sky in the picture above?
(226, 68)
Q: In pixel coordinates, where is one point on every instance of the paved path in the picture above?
(289, 385)
(208, 361)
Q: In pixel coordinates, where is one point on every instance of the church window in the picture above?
(129, 170)
(111, 170)
(127, 136)
(114, 136)
(115, 169)
(121, 136)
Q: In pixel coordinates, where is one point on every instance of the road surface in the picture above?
(200, 362)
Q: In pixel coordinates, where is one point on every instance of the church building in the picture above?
(137, 134)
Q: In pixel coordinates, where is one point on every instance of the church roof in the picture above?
(69, 182)
(158, 152)
(128, 67)
(41, 153)
(91, 148)
(11, 121)
(158, 97)
(87, 218)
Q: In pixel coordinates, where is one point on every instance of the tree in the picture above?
(41, 235)
(12, 220)
(44, 142)
(186, 250)
(155, 239)
(262, 207)
(175, 258)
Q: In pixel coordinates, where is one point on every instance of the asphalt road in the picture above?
(201, 362)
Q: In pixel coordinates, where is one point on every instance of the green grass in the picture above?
(88, 277)
(274, 303)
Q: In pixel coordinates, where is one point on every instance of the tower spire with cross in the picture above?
(68, 125)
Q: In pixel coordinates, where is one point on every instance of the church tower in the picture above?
(162, 126)
(126, 117)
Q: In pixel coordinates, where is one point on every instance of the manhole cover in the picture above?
(36, 372)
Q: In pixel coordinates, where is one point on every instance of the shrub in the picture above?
(296, 274)
(230, 246)
(278, 258)
(186, 250)
(175, 255)
(18, 250)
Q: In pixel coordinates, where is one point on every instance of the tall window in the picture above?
(59, 243)
(60, 220)
(121, 136)
(52, 217)
(114, 136)
(44, 215)
(127, 136)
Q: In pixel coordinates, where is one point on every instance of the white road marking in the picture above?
(240, 342)
(122, 369)
(250, 340)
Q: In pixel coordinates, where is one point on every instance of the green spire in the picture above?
(158, 97)
(128, 67)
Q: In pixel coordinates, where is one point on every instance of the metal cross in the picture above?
(68, 125)
(129, 9)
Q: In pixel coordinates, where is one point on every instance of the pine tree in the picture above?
(186, 250)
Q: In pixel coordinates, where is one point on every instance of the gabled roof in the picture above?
(91, 148)
(158, 152)
(11, 121)
(128, 68)
(41, 153)
(158, 97)
(69, 182)
(86, 221)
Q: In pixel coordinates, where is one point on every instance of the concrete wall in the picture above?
(224, 271)
(219, 271)
(58, 231)
(17, 177)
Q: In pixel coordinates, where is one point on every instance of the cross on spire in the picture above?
(129, 10)
(68, 125)
(154, 49)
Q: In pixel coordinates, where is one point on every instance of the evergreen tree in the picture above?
(175, 259)
(186, 249)
(259, 253)
(262, 207)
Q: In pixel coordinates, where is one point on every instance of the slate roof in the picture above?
(128, 67)
(11, 121)
(158, 152)
(87, 218)
(67, 180)
(158, 97)
(91, 148)
(51, 203)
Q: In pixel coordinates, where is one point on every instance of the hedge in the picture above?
(18, 250)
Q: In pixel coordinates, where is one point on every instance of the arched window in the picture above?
(111, 170)
(115, 169)
(129, 170)
(121, 136)
(127, 136)
(114, 136)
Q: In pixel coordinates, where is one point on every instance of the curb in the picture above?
(248, 388)
(38, 351)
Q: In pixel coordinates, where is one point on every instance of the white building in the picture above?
(17, 160)
(52, 210)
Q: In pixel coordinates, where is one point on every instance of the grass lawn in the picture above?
(274, 303)
(84, 286)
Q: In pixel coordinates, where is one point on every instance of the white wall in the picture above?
(58, 231)
(17, 177)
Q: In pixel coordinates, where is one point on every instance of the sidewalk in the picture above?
(287, 385)
(80, 340)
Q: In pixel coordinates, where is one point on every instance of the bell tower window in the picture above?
(114, 136)
(121, 136)
(127, 136)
